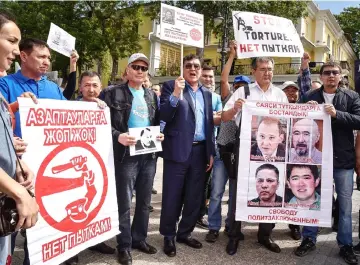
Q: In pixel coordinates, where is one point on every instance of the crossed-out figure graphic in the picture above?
(77, 211)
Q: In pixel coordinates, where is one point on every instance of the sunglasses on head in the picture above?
(190, 66)
(329, 72)
(139, 67)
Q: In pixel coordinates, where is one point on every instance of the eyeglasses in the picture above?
(329, 72)
(190, 65)
(139, 67)
(263, 70)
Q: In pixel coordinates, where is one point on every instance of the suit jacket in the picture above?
(180, 124)
(280, 153)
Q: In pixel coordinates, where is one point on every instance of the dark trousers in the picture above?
(183, 188)
(265, 229)
(206, 195)
(26, 251)
(134, 172)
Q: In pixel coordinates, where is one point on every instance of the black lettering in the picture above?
(278, 47)
(267, 35)
(273, 36)
(291, 48)
(284, 48)
(265, 48)
(254, 35)
(261, 36)
(285, 37)
(247, 34)
(279, 36)
(297, 49)
(271, 48)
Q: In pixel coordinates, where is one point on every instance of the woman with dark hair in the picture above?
(15, 179)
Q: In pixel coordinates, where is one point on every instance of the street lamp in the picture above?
(217, 21)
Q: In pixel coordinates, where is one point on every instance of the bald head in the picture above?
(305, 134)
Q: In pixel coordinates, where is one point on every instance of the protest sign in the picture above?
(265, 35)
(181, 26)
(71, 154)
(285, 172)
(145, 140)
(61, 41)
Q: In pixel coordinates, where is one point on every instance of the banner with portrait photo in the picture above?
(146, 141)
(285, 172)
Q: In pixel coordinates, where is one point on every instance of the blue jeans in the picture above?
(344, 184)
(218, 183)
(135, 172)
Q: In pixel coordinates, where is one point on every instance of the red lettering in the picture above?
(256, 20)
(249, 47)
(54, 248)
(242, 48)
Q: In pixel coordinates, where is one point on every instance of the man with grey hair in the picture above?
(261, 90)
(305, 135)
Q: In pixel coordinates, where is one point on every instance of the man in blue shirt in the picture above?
(30, 81)
(188, 151)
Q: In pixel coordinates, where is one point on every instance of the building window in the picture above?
(333, 49)
(328, 41)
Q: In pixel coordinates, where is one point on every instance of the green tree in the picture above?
(350, 24)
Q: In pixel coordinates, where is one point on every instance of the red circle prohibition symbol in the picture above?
(43, 189)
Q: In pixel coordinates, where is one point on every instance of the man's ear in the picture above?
(282, 137)
(317, 182)
(23, 56)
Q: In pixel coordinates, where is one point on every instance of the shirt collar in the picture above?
(23, 79)
(190, 88)
(258, 87)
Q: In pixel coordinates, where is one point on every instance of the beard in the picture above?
(302, 149)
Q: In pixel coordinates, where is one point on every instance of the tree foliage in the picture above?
(350, 24)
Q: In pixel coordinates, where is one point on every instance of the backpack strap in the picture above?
(247, 91)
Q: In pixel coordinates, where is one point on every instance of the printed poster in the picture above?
(181, 26)
(286, 165)
(265, 35)
(145, 140)
(71, 154)
(61, 41)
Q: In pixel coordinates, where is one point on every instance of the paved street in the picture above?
(249, 252)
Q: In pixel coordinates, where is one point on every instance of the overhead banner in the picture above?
(181, 26)
(265, 35)
(285, 172)
(61, 41)
(71, 154)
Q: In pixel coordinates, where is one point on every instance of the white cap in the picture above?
(289, 83)
(138, 57)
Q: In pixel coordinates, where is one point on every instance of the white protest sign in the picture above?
(71, 154)
(265, 35)
(61, 41)
(181, 26)
(285, 172)
(145, 140)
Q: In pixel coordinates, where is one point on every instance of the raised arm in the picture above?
(224, 82)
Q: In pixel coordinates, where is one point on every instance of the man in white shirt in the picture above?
(262, 90)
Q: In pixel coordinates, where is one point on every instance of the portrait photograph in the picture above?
(266, 182)
(168, 16)
(303, 187)
(268, 139)
(305, 141)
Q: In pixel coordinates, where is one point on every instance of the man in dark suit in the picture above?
(269, 138)
(188, 152)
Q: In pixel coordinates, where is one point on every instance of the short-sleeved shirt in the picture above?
(273, 93)
(12, 86)
(216, 102)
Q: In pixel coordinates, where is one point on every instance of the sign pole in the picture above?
(181, 65)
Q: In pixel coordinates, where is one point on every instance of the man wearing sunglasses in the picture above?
(133, 106)
(343, 105)
(188, 152)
